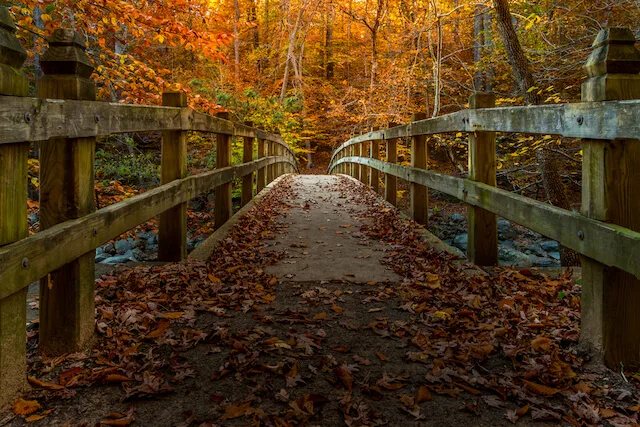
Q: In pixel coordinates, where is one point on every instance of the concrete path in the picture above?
(322, 238)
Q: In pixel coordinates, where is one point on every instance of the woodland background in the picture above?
(321, 71)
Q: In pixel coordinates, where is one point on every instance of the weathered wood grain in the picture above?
(483, 227)
(223, 208)
(419, 193)
(172, 225)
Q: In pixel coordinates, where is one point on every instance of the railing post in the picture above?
(610, 320)
(223, 209)
(247, 156)
(419, 193)
(358, 152)
(270, 168)
(483, 228)
(13, 218)
(375, 154)
(172, 227)
(364, 169)
(391, 182)
(260, 184)
(67, 307)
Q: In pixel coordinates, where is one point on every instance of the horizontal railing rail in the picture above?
(29, 259)
(594, 120)
(606, 232)
(37, 119)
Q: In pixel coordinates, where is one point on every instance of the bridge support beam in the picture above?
(13, 219)
(223, 208)
(67, 307)
(483, 229)
(610, 320)
(419, 194)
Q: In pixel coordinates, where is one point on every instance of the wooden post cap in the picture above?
(11, 51)
(614, 53)
(174, 99)
(418, 116)
(482, 100)
(224, 115)
(66, 55)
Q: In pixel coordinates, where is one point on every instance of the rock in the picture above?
(508, 244)
(546, 262)
(100, 257)
(505, 230)
(152, 247)
(550, 246)
(123, 246)
(120, 259)
(555, 255)
(108, 248)
(536, 249)
(461, 241)
(137, 254)
(456, 217)
(507, 256)
(533, 234)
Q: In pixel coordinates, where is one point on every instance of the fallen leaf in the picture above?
(382, 356)
(541, 389)
(163, 324)
(48, 386)
(423, 394)
(25, 407)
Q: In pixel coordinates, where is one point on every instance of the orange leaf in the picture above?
(337, 308)
(320, 316)
(25, 407)
(163, 324)
(541, 344)
(522, 411)
(174, 315)
(49, 386)
(608, 413)
(344, 376)
(39, 416)
(116, 378)
(382, 356)
(423, 394)
(235, 411)
(541, 389)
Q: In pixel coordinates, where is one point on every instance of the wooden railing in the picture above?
(606, 232)
(65, 119)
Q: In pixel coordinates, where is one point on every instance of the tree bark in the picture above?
(522, 75)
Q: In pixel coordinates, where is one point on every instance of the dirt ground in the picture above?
(323, 308)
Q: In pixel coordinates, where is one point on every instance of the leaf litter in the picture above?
(224, 343)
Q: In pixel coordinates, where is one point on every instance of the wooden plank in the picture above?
(610, 244)
(247, 180)
(610, 320)
(419, 193)
(262, 176)
(13, 221)
(31, 258)
(67, 309)
(483, 226)
(172, 226)
(223, 208)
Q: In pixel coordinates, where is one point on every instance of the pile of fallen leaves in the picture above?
(224, 343)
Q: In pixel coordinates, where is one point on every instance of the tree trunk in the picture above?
(524, 81)
(478, 43)
(290, 58)
(328, 43)
(522, 75)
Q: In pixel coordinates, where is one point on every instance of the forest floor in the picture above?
(324, 307)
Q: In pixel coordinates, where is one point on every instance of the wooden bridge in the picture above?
(66, 119)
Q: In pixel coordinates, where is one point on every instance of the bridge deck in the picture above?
(324, 307)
